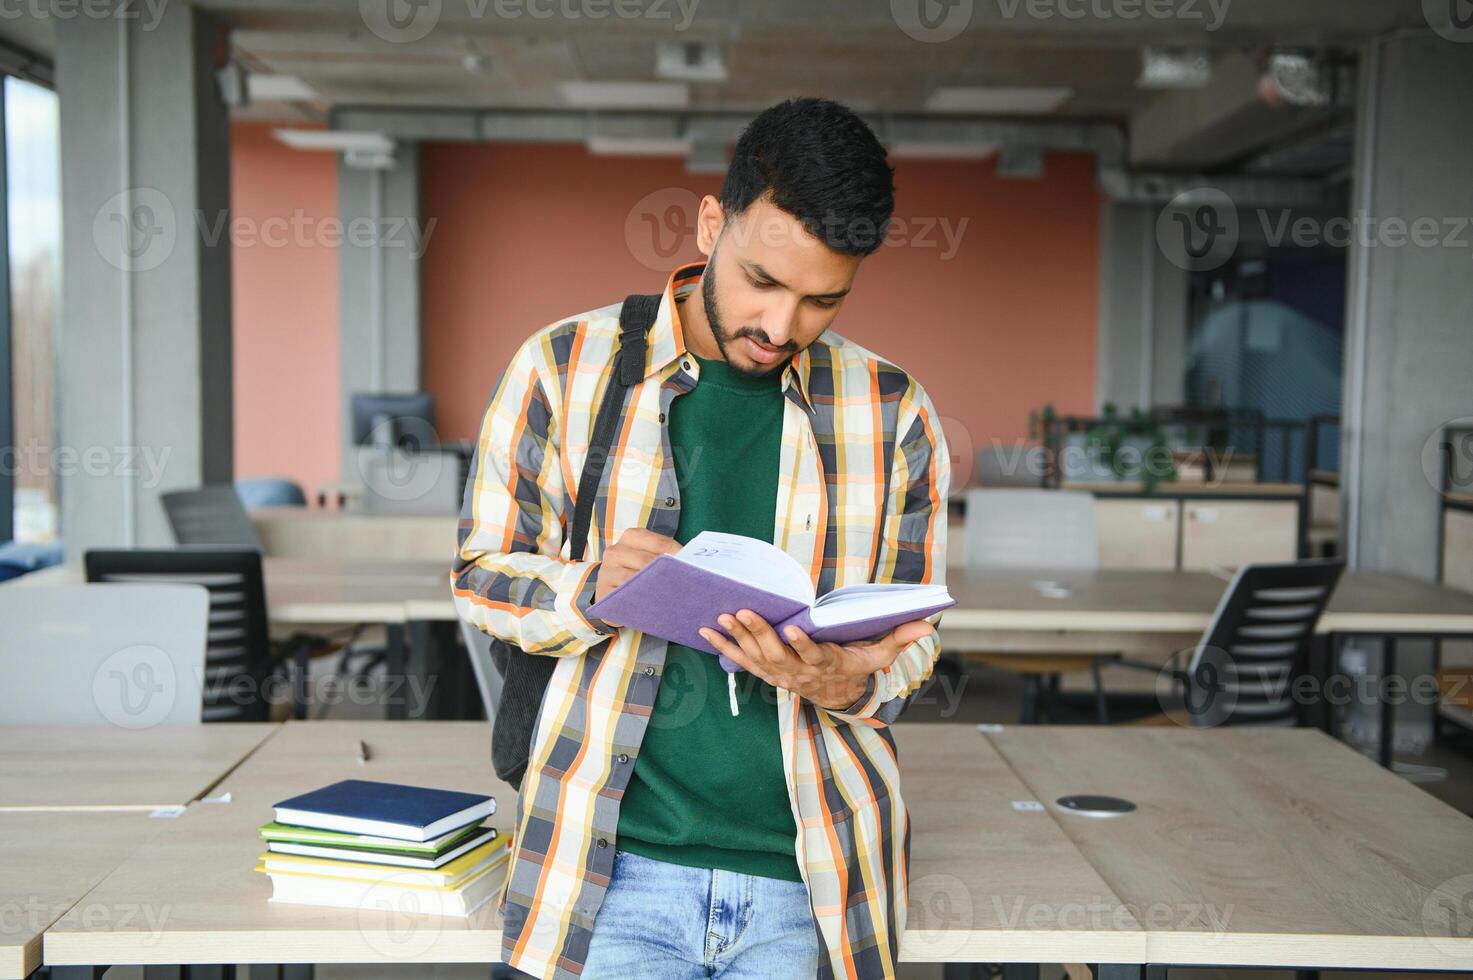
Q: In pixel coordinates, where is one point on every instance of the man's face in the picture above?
(770, 288)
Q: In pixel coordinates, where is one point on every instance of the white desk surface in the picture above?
(1279, 847)
(1120, 600)
(970, 845)
(201, 866)
(1274, 847)
(102, 767)
(48, 862)
(989, 882)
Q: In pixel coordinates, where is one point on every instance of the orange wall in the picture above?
(284, 264)
(527, 234)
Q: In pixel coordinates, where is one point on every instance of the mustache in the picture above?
(760, 335)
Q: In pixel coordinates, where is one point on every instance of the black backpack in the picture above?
(525, 676)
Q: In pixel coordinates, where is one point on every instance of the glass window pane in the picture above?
(33, 196)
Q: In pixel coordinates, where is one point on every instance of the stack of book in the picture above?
(361, 844)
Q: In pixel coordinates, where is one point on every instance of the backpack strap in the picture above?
(636, 317)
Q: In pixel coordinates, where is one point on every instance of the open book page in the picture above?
(878, 602)
(749, 560)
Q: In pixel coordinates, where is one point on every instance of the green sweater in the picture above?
(708, 789)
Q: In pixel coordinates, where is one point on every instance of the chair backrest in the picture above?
(211, 515)
(1030, 529)
(1243, 668)
(413, 483)
(126, 655)
(488, 678)
(269, 491)
(238, 651)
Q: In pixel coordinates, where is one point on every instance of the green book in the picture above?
(287, 833)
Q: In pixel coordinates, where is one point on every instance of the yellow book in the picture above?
(450, 876)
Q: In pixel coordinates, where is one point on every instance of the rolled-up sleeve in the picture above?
(912, 549)
(510, 579)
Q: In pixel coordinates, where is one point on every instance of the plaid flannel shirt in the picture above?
(864, 479)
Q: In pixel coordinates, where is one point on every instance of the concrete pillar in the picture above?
(1409, 336)
(1141, 339)
(145, 330)
(379, 289)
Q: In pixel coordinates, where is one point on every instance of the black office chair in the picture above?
(216, 516)
(211, 515)
(238, 659)
(1242, 671)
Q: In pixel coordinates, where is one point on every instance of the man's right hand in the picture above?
(633, 550)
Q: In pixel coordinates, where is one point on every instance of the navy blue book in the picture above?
(358, 806)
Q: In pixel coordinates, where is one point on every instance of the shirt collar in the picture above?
(667, 341)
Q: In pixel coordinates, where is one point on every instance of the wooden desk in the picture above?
(302, 532)
(218, 906)
(1148, 601)
(987, 881)
(100, 767)
(1272, 847)
(48, 861)
(342, 591)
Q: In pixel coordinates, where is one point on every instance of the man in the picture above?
(658, 833)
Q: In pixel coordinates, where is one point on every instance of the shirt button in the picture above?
(662, 416)
(685, 364)
(602, 843)
(649, 672)
(623, 756)
(669, 501)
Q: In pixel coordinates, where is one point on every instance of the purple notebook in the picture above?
(675, 595)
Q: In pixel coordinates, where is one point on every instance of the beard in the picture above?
(723, 337)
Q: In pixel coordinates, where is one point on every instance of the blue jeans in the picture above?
(679, 923)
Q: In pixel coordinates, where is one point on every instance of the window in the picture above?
(28, 486)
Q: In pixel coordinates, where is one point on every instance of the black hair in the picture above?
(821, 164)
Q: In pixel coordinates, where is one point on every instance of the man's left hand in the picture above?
(828, 674)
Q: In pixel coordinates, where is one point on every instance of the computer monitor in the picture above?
(404, 421)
